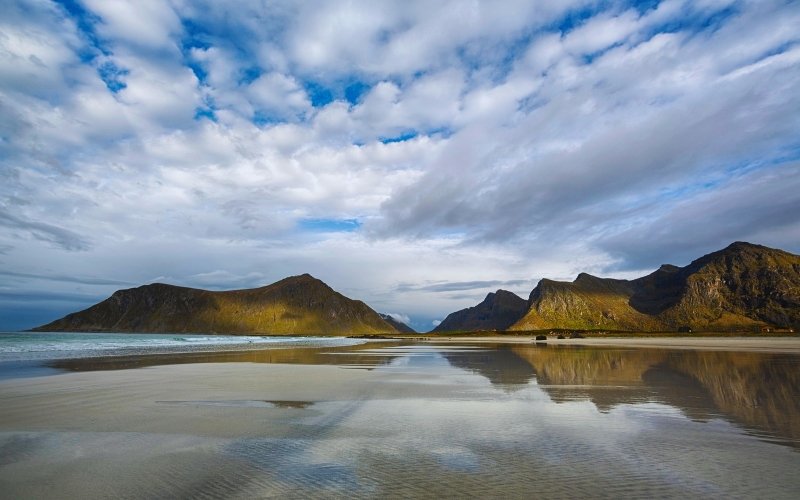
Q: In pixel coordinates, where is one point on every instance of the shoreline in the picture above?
(308, 354)
(789, 345)
(243, 345)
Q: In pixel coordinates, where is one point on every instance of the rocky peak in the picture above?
(497, 311)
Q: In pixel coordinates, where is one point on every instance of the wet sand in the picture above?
(160, 399)
(417, 420)
(157, 432)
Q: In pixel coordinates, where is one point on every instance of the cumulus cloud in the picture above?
(149, 23)
(755, 206)
(467, 147)
(402, 318)
(602, 138)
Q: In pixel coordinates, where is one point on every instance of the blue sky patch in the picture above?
(590, 58)
(576, 17)
(201, 113)
(111, 75)
(194, 36)
(319, 95)
(85, 21)
(694, 22)
(645, 5)
(323, 225)
(262, 118)
(207, 111)
(441, 132)
(354, 92)
(249, 75)
(199, 71)
(405, 136)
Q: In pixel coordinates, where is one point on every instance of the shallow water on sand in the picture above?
(28, 346)
(417, 420)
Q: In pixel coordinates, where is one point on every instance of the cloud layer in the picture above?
(412, 154)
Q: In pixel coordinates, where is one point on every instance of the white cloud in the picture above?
(278, 93)
(601, 32)
(402, 38)
(402, 318)
(756, 206)
(150, 23)
(542, 162)
(32, 61)
(596, 140)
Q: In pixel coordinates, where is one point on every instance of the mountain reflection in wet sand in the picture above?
(756, 390)
(759, 391)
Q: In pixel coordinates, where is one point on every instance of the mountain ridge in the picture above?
(741, 287)
(498, 311)
(297, 305)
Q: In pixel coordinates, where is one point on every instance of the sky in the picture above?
(412, 154)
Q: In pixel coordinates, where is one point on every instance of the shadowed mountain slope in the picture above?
(498, 311)
(295, 305)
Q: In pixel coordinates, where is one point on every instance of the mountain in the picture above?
(743, 284)
(498, 311)
(586, 303)
(397, 324)
(295, 305)
(741, 287)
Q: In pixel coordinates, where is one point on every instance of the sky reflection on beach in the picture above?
(419, 420)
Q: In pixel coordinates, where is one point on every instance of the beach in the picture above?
(464, 418)
(110, 434)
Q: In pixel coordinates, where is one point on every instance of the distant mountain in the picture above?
(398, 325)
(498, 311)
(741, 287)
(296, 305)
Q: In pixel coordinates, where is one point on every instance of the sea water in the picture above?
(38, 346)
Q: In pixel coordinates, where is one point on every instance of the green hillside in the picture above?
(297, 305)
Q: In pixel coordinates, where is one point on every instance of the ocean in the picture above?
(20, 347)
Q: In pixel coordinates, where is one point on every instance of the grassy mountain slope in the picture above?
(295, 305)
(586, 303)
(741, 287)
